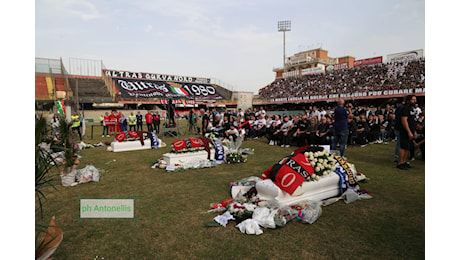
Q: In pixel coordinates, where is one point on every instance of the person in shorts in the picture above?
(407, 131)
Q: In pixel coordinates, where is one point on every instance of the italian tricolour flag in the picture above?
(60, 107)
(179, 91)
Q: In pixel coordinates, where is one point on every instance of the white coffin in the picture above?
(132, 145)
(326, 187)
(181, 158)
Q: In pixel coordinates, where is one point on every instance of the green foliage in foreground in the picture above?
(170, 211)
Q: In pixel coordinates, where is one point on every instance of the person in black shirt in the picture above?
(311, 131)
(352, 133)
(390, 127)
(271, 136)
(330, 133)
(374, 128)
(299, 135)
(407, 131)
(321, 133)
(139, 121)
(362, 130)
(204, 121)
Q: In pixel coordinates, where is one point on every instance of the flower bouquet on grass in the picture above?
(241, 211)
(235, 158)
(235, 154)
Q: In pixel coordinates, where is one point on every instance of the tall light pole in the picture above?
(284, 26)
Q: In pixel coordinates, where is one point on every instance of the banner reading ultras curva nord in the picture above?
(151, 85)
(140, 88)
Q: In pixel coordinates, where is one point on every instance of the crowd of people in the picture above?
(116, 122)
(346, 125)
(377, 77)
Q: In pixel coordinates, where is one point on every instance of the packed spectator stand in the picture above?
(379, 77)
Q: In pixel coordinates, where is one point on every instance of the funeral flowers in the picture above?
(322, 161)
(241, 211)
(235, 158)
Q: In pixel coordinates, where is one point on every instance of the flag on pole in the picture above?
(60, 107)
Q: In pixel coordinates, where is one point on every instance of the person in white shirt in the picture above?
(322, 113)
(55, 124)
(260, 126)
(283, 132)
(316, 113)
(261, 112)
(277, 120)
(233, 132)
(417, 111)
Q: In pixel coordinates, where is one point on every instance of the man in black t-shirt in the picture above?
(407, 131)
(322, 132)
(299, 135)
(362, 130)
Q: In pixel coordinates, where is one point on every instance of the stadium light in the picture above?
(284, 26)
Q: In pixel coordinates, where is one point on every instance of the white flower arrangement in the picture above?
(322, 161)
(241, 211)
(235, 158)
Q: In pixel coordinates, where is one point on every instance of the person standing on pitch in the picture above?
(149, 121)
(139, 121)
(132, 122)
(156, 122)
(341, 126)
(75, 119)
(407, 132)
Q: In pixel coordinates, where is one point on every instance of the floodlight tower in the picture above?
(284, 26)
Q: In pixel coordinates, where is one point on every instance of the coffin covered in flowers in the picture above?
(296, 187)
(201, 152)
(135, 140)
(196, 152)
(308, 173)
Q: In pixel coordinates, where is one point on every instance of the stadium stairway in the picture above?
(90, 90)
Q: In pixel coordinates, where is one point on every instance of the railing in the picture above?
(222, 84)
(85, 67)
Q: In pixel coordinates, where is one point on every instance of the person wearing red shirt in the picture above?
(106, 124)
(156, 122)
(149, 121)
(118, 123)
(113, 122)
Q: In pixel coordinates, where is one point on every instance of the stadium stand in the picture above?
(382, 76)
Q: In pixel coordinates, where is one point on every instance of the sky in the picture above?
(236, 42)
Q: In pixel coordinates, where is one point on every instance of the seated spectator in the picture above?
(299, 136)
(231, 132)
(283, 132)
(330, 133)
(362, 130)
(322, 131)
(352, 130)
(271, 136)
(374, 128)
(260, 127)
(311, 131)
(246, 128)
